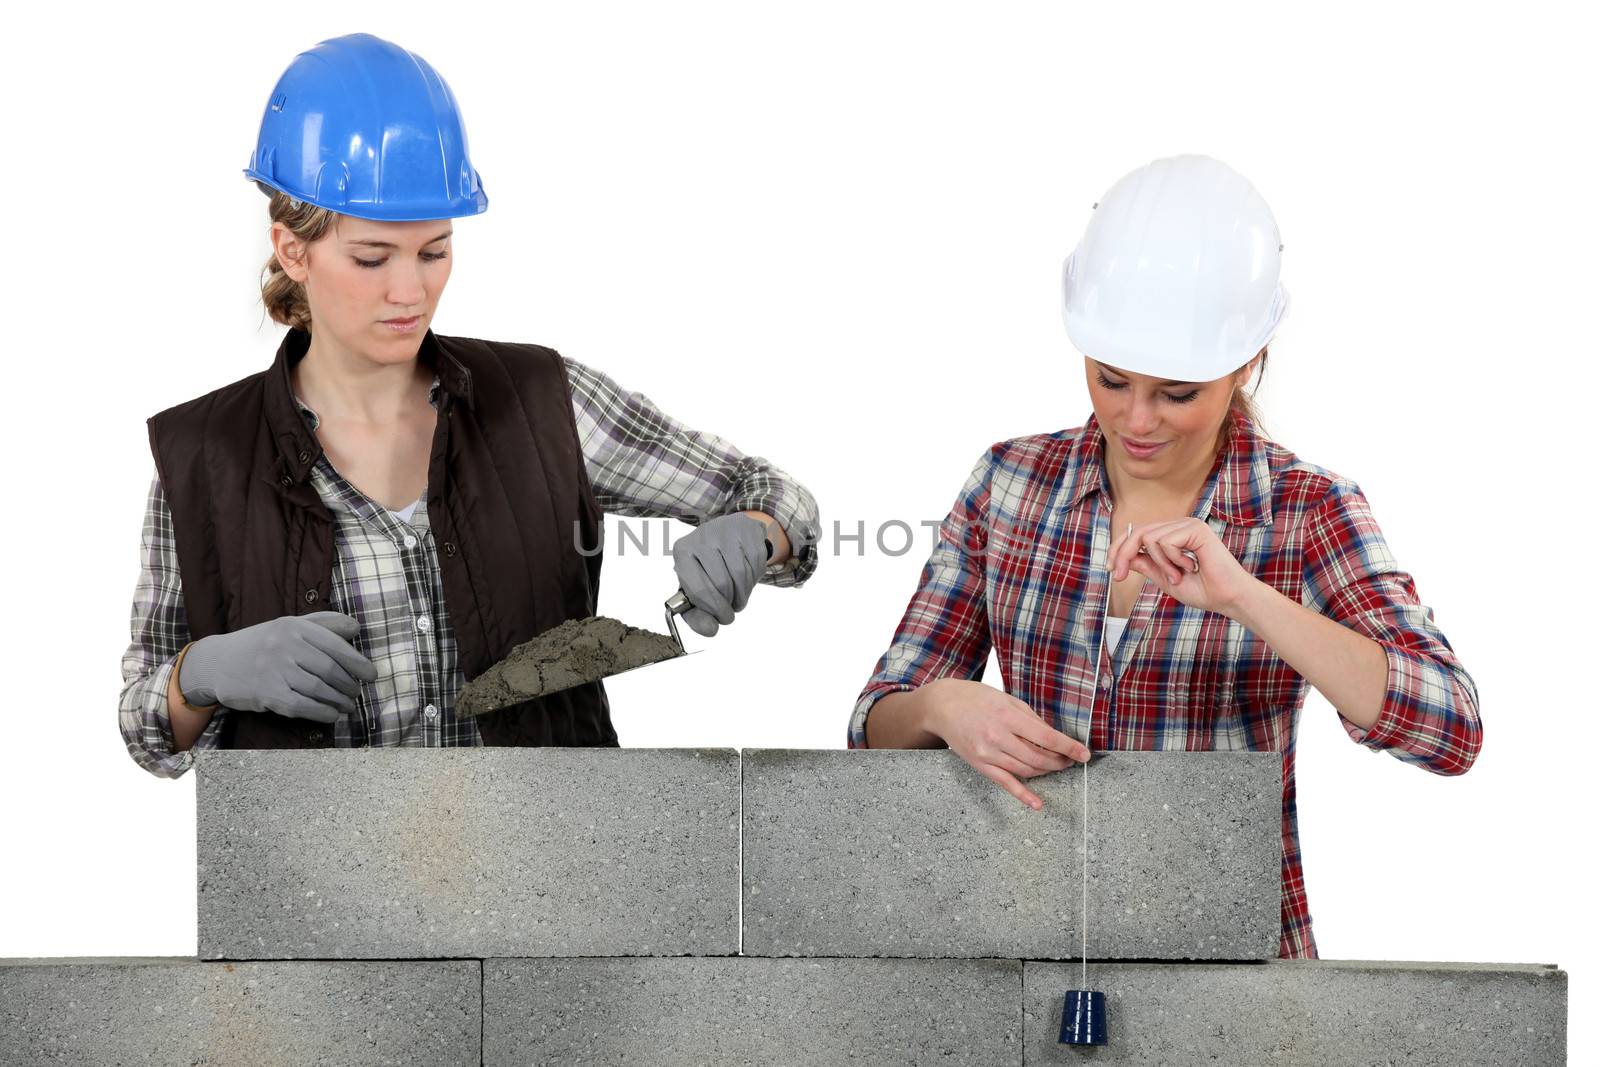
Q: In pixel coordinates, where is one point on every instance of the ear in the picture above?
(290, 250)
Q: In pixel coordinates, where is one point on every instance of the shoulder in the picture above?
(1303, 490)
(501, 358)
(234, 404)
(1017, 469)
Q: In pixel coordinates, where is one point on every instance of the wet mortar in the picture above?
(575, 652)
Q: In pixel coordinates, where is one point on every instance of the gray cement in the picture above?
(468, 852)
(575, 652)
(104, 1012)
(1329, 1013)
(797, 1013)
(914, 853)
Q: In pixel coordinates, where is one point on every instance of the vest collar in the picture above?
(297, 444)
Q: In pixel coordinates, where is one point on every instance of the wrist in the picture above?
(197, 695)
(1248, 608)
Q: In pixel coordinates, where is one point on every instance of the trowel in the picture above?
(574, 653)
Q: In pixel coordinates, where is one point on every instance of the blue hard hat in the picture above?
(361, 126)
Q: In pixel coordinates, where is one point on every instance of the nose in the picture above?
(406, 289)
(1143, 416)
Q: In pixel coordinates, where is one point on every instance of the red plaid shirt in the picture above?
(1020, 565)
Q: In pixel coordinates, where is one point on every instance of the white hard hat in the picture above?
(1177, 273)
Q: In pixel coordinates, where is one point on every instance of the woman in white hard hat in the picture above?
(335, 545)
(1083, 556)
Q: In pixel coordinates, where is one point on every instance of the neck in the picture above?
(345, 385)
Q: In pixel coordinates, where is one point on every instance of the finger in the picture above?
(755, 555)
(295, 705)
(1120, 551)
(701, 590)
(336, 621)
(309, 685)
(1045, 736)
(737, 560)
(1035, 729)
(324, 666)
(700, 622)
(340, 650)
(1029, 758)
(1009, 783)
(1163, 555)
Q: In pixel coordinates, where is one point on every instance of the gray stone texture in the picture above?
(106, 1012)
(752, 1011)
(1326, 1012)
(467, 852)
(914, 853)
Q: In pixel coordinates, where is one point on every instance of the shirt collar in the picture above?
(1239, 486)
(298, 448)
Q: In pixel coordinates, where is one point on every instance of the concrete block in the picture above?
(913, 853)
(110, 1011)
(1328, 1012)
(467, 852)
(740, 1010)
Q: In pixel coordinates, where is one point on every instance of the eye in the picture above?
(1107, 383)
(429, 256)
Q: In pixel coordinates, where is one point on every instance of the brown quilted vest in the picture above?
(508, 499)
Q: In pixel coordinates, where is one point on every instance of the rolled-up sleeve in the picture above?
(641, 461)
(1430, 708)
(159, 630)
(944, 632)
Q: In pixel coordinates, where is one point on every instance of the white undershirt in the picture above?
(404, 514)
(1114, 628)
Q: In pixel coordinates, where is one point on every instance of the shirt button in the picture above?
(424, 623)
(431, 712)
(411, 542)
(1105, 679)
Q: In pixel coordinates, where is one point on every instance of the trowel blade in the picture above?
(575, 653)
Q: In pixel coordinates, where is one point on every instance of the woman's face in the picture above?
(1184, 419)
(361, 273)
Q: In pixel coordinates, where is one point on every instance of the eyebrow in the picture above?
(387, 244)
(1114, 370)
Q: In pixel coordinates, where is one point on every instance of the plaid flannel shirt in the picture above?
(386, 575)
(1020, 566)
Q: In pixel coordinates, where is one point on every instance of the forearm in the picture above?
(899, 720)
(188, 722)
(1348, 668)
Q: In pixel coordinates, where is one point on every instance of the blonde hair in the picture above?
(283, 297)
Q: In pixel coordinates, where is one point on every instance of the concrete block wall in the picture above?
(564, 906)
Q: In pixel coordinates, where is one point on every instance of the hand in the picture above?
(999, 735)
(301, 666)
(718, 564)
(1186, 561)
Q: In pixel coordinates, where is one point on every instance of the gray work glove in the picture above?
(302, 666)
(718, 564)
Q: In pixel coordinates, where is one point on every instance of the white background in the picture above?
(832, 233)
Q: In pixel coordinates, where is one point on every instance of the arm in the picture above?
(1368, 644)
(944, 632)
(161, 737)
(640, 461)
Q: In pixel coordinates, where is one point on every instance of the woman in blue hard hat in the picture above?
(1164, 576)
(334, 545)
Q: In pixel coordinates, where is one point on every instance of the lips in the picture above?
(402, 322)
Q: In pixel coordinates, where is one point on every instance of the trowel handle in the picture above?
(677, 604)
